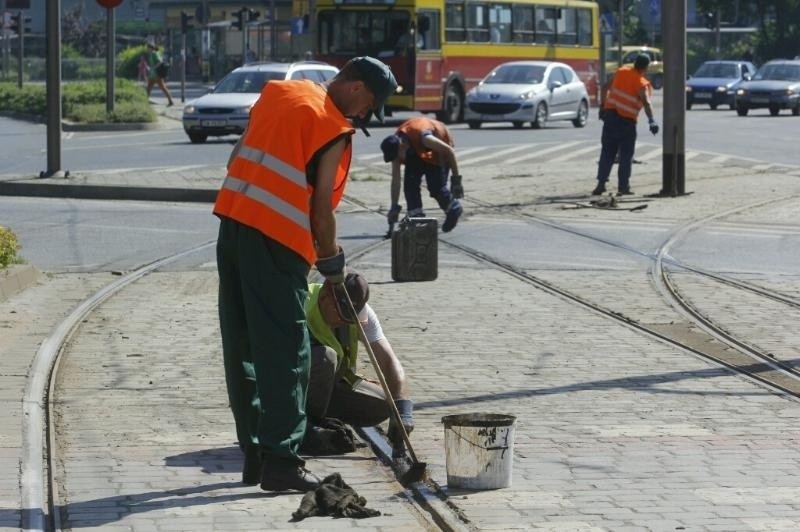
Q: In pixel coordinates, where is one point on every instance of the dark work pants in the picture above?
(265, 346)
(362, 405)
(435, 179)
(619, 135)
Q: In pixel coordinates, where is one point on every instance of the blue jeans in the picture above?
(435, 179)
(619, 136)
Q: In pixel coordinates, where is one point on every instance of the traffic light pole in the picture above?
(673, 23)
(53, 88)
(183, 66)
(21, 43)
(111, 49)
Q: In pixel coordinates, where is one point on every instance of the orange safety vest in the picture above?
(623, 96)
(266, 187)
(412, 129)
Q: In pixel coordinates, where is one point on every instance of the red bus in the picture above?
(439, 49)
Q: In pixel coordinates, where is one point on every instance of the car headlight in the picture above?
(741, 92)
(244, 110)
(789, 92)
(527, 95)
(190, 110)
(688, 88)
(722, 89)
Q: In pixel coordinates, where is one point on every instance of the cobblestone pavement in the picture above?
(616, 431)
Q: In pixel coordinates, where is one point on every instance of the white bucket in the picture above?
(479, 450)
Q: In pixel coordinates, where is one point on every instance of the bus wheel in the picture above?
(540, 119)
(474, 124)
(453, 105)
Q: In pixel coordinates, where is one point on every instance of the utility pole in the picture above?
(110, 53)
(673, 24)
(53, 87)
(621, 29)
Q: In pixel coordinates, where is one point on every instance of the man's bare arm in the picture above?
(444, 149)
(645, 97)
(323, 221)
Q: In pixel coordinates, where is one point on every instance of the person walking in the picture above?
(425, 147)
(157, 73)
(335, 389)
(286, 176)
(623, 96)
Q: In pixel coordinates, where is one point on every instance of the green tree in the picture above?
(88, 38)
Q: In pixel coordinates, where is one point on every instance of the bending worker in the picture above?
(624, 96)
(425, 146)
(335, 390)
(286, 176)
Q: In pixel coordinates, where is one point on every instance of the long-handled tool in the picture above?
(417, 470)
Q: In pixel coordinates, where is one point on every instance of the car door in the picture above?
(560, 92)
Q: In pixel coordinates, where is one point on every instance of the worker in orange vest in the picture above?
(276, 206)
(626, 94)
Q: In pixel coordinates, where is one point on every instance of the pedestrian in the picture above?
(623, 96)
(143, 68)
(158, 71)
(335, 390)
(425, 147)
(286, 176)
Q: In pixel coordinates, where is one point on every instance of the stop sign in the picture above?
(109, 3)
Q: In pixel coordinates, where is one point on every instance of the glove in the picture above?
(455, 186)
(653, 127)
(405, 407)
(601, 113)
(333, 268)
(394, 214)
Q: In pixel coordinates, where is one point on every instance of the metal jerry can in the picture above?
(415, 255)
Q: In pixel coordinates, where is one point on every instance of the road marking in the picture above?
(494, 154)
(574, 154)
(551, 149)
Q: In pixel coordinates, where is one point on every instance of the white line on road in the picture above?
(495, 154)
(551, 149)
(574, 154)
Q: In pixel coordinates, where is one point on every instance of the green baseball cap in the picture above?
(378, 78)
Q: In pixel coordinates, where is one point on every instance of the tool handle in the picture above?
(389, 398)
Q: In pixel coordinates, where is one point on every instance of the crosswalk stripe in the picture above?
(551, 149)
(495, 154)
(574, 153)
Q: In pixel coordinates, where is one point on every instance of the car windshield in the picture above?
(781, 72)
(516, 74)
(716, 70)
(252, 81)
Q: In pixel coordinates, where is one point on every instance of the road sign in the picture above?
(607, 23)
(108, 4)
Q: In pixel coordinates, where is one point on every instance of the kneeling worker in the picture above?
(334, 389)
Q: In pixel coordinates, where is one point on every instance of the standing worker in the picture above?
(425, 146)
(286, 176)
(157, 72)
(629, 91)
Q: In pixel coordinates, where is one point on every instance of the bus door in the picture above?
(428, 64)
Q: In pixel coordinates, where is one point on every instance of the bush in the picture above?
(8, 247)
(128, 62)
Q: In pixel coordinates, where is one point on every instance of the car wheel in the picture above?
(733, 107)
(474, 124)
(688, 105)
(518, 125)
(540, 118)
(453, 104)
(583, 114)
(713, 106)
(197, 138)
(657, 81)
(774, 110)
(741, 110)
(796, 110)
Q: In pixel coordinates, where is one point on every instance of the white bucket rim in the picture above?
(478, 419)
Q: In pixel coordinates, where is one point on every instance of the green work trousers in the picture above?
(265, 344)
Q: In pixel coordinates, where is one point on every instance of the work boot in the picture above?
(625, 192)
(451, 216)
(251, 471)
(283, 476)
(599, 189)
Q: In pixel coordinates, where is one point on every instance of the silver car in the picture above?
(775, 86)
(226, 109)
(528, 91)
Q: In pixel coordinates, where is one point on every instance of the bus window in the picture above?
(374, 33)
(567, 26)
(584, 27)
(429, 37)
(545, 24)
(523, 23)
(454, 22)
(500, 23)
(477, 22)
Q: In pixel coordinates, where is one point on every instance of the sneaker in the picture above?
(251, 471)
(281, 477)
(625, 192)
(599, 189)
(451, 216)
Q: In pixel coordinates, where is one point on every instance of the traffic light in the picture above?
(185, 18)
(253, 15)
(19, 24)
(711, 20)
(240, 19)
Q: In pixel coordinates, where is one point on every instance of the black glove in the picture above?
(601, 113)
(653, 127)
(333, 268)
(394, 214)
(455, 186)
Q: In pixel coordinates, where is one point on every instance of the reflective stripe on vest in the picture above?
(623, 96)
(625, 104)
(268, 200)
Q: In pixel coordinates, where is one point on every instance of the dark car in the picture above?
(715, 83)
(775, 86)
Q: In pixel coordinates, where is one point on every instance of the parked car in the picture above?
(775, 86)
(655, 70)
(528, 91)
(715, 83)
(226, 109)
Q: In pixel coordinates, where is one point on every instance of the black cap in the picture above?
(642, 61)
(390, 147)
(358, 290)
(378, 77)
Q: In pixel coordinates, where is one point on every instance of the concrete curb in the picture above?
(103, 192)
(106, 126)
(16, 278)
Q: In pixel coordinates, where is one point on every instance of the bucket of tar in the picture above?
(479, 450)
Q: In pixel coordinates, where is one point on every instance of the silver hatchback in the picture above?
(226, 109)
(528, 91)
